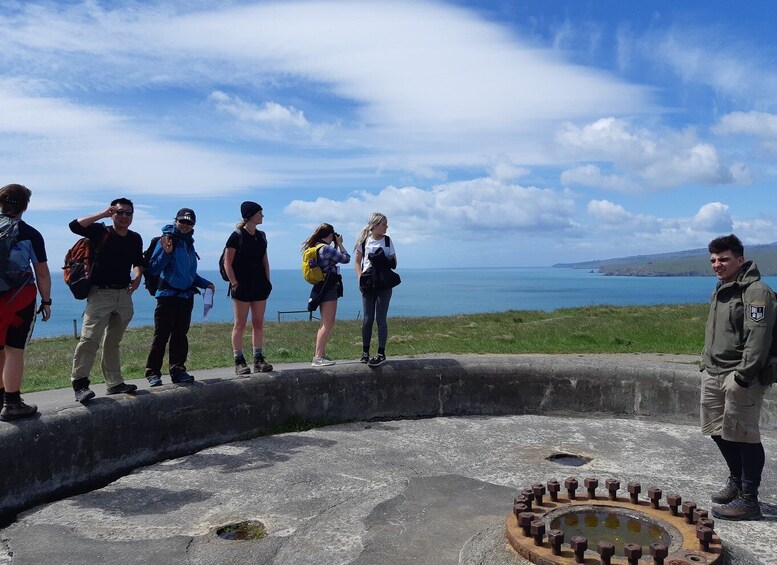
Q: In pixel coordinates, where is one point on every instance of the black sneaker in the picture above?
(365, 358)
(744, 507)
(261, 365)
(728, 492)
(84, 394)
(182, 378)
(17, 410)
(379, 359)
(122, 388)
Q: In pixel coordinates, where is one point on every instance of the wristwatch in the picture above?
(45, 302)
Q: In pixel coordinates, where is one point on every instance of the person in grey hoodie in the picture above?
(735, 363)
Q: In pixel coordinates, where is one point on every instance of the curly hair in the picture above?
(14, 198)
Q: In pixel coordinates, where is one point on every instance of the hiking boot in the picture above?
(379, 359)
(261, 365)
(365, 358)
(17, 410)
(323, 361)
(182, 378)
(744, 507)
(241, 367)
(123, 387)
(154, 380)
(728, 492)
(81, 388)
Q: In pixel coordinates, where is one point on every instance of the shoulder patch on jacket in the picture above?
(757, 312)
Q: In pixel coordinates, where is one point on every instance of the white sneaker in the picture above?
(322, 362)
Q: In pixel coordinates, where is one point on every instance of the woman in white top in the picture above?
(375, 301)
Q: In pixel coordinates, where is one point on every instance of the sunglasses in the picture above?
(123, 212)
(185, 222)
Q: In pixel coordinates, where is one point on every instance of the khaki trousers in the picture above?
(729, 410)
(108, 313)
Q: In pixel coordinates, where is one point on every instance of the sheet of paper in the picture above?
(207, 301)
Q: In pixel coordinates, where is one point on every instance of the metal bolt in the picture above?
(698, 514)
(704, 535)
(708, 522)
(556, 538)
(553, 488)
(659, 552)
(525, 500)
(519, 507)
(571, 485)
(606, 550)
(612, 486)
(591, 483)
(688, 508)
(654, 494)
(579, 545)
(538, 531)
(634, 490)
(632, 551)
(674, 501)
(538, 490)
(529, 494)
(524, 521)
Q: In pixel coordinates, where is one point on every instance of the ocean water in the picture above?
(424, 292)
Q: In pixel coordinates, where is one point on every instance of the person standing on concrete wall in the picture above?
(324, 295)
(376, 292)
(736, 371)
(21, 245)
(174, 260)
(248, 270)
(109, 304)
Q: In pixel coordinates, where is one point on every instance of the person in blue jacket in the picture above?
(175, 262)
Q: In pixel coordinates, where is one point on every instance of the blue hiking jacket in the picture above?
(177, 270)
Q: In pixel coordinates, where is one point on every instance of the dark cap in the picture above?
(186, 214)
(248, 209)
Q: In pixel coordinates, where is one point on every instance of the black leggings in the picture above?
(745, 462)
(376, 305)
(172, 318)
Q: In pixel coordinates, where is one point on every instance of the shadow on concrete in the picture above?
(131, 501)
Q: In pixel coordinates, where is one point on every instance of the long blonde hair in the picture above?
(375, 219)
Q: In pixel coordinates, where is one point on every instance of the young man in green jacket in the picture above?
(735, 365)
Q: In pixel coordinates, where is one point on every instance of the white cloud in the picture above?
(607, 212)
(591, 175)
(734, 68)
(672, 159)
(504, 170)
(473, 209)
(760, 124)
(713, 218)
(270, 113)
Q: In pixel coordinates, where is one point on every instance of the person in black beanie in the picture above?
(248, 269)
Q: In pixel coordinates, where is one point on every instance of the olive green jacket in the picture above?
(740, 326)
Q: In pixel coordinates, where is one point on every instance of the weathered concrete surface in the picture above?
(362, 497)
(432, 491)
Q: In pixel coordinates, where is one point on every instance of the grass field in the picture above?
(598, 329)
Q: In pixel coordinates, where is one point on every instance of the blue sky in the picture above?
(490, 133)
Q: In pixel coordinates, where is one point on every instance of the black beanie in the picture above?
(248, 209)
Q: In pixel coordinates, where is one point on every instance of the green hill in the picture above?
(694, 262)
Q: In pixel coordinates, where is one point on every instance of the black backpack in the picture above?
(9, 234)
(150, 281)
(153, 282)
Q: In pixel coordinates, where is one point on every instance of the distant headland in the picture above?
(691, 263)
